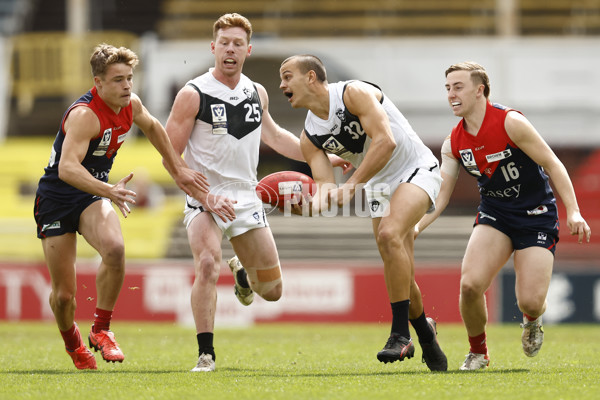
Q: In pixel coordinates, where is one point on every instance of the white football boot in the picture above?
(244, 294)
(533, 336)
(205, 364)
(475, 361)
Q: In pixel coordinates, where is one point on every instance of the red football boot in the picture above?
(104, 341)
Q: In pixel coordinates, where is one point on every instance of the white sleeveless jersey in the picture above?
(343, 135)
(224, 143)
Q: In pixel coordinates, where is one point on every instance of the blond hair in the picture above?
(105, 55)
(478, 74)
(233, 20)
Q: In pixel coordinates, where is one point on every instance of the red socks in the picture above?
(72, 338)
(101, 320)
(529, 318)
(478, 344)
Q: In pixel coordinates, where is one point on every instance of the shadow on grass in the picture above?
(253, 373)
(240, 372)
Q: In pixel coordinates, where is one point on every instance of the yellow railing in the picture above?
(56, 63)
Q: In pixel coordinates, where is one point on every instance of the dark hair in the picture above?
(307, 62)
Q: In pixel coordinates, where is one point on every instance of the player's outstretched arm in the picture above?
(449, 170)
(81, 126)
(279, 139)
(190, 181)
(527, 138)
(179, 128)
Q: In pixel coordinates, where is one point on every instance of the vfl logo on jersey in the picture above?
(498, 156)
(219, 119)
(340, 114)
(104, 143)
(248, 93)
(468, 160)
(333, 146)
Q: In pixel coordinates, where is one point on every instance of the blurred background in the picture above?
(543, 58)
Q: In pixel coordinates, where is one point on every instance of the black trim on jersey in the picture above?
(201, 102)
(347, 119)
(237, 124)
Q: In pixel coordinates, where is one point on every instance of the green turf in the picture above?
(296, 361)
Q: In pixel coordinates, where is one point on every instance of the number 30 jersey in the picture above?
(507, 178)
(343, 135)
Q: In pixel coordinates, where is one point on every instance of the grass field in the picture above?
(296, 361)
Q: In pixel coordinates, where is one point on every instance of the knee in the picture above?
(532, 306)
(207, 270)
(266, 282)
(274, 294)
(62, 299)
(469, 290)
(388, 239)
(114, 254)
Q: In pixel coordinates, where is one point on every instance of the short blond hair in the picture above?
(105, 55)
(478, 74)
(233, 20)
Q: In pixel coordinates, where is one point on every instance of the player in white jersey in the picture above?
(218, 121)
(355, 121)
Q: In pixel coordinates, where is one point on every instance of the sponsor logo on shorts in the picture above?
(484, 215)
(537, 211)
(54, 225)
(542, 238)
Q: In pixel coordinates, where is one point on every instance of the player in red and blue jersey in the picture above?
(517, 214)
(74, 196)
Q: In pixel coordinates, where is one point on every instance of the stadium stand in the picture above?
(560, 17)
(186, 19)
(190, 19)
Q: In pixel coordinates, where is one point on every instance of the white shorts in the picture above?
(380, 194)
(247, 217)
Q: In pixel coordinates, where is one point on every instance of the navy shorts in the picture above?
(56, 218)
(524, 230)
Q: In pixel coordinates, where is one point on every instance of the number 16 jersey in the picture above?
(508, 179)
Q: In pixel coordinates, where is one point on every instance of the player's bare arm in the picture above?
(285, 142)
(527, 138)
(190, 181)
(322, 172)
(362, 100)
(81, 126)
(449, 171)
(281, 140)
(179, 128)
